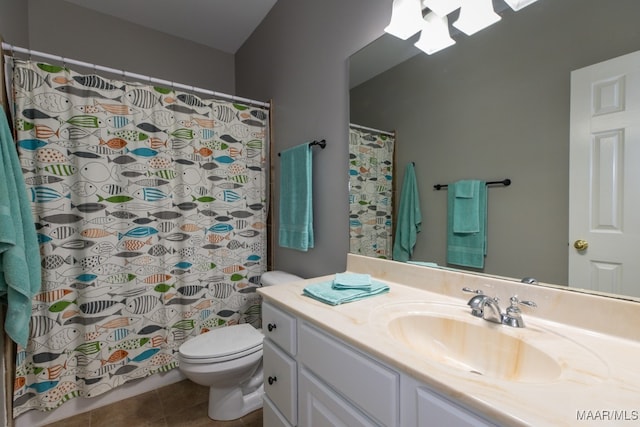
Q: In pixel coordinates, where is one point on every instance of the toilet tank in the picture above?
(276, 277)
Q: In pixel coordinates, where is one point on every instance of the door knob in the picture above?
(581, 245)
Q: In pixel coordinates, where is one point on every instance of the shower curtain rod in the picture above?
(7, 46)
(383, 132)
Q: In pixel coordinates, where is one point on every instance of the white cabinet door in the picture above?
(271, 417)
(279, 327)
(434, 411)
(321, 407)
(280, 380)
(370, 385)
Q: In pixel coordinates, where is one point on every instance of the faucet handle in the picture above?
(515, 301)
(472, 291)
(513, 314)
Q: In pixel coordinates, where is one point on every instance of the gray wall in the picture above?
(494, 106)
(298, 57)
(13, 21)
(62, 28)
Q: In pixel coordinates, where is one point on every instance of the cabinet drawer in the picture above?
(280, 380)
(279, 327)
(271, 417)
(321, 406)
(371, 386)
(436, 411)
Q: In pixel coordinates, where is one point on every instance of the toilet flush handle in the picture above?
(271, 326)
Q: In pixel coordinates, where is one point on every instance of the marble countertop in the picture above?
(599, 379)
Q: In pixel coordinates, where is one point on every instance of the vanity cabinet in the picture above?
(322, 406)
(279, 367)
(434, 410)
(423, 407)
(368, 385)
(322, 380)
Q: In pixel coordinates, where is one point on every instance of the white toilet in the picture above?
(228, 360)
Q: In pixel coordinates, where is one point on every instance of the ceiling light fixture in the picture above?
(519, 4)
(476, 15)
(406, 18)
(444, 7)
(435, 34)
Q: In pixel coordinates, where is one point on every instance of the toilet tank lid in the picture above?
(277, 277)
(222, 341)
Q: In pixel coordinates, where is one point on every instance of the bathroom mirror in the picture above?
(495, 105)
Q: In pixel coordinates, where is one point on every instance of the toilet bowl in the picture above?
(228, 360)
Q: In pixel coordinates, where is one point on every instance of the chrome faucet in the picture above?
(488, 308)
(491, 310)
(484, 306)
(476, 302)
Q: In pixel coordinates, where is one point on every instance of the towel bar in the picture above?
(322, 143)
(505, 182)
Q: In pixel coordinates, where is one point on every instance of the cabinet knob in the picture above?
(271, 326)
(272, 380)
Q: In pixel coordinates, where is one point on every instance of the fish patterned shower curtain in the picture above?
(150, 209)
(370, 193)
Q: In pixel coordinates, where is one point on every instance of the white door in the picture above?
(604, 192)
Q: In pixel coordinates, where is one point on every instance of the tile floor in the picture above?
(176, 405)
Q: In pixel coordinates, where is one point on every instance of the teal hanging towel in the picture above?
(20, 270)
(467, 223)
(409, 217)
(296, 198)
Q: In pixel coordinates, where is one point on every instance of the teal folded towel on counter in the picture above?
(467, 249)
(20, 269)
(296, 202)
(423, 263)
(352, 281)
(325, 292)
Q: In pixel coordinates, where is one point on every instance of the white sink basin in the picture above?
(449, 335)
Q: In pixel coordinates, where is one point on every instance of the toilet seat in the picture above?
(222, 344)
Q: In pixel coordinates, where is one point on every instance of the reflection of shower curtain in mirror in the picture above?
(150, 209)
(370, 193)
